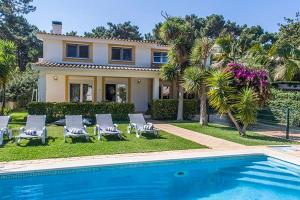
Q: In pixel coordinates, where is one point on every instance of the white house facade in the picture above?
(84, 69)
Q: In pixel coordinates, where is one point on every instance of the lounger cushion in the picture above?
(148, 126)
(76, 130)
(111, 129)
(30, 132)
(2, 130)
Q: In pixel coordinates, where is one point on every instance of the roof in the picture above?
(93, 66)
(105, 38)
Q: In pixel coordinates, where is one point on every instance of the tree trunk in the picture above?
(3, 98)
(244, 129)
(180, 102)
(235, 123)
(203, 106)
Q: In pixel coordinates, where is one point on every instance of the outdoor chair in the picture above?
(4, 128)
(139, 125)
(35, 128)
(74, 127)
(105, 126)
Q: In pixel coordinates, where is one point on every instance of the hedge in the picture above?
(167, 108)
(56, 111)
(282, 100)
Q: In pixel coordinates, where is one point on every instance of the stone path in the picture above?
(209, 141)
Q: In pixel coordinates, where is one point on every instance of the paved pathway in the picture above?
(209, 141)
(276, 131)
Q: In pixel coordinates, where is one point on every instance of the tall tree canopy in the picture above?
(122, 30)
(14, 27)
(289, 32)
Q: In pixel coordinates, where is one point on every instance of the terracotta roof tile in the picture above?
(104, 38)
(93, 66)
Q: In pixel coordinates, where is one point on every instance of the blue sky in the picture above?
(83, 15)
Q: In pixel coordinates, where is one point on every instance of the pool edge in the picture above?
(106, 160)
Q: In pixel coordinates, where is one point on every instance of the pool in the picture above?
(246, 177)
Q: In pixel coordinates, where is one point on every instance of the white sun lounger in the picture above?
(74, 127)
(34, 123)
(105, 126)
(4, 130)
(139, 125)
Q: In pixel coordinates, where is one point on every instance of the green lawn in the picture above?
(19, 116)
(228, 133)
(56, 148)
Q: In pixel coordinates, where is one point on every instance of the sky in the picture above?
(83, 15)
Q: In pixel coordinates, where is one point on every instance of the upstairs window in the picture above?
(77, 51)
(121, 54)
(160, 57)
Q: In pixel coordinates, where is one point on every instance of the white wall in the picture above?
(139, 94)
(142, 56)
(42, 88)
(100, 53)
(52, 50)
(55, 89)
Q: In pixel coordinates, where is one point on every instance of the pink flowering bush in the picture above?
(254, 78)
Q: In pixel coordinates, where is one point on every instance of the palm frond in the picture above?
(169, 72)
(201, 51)
(246, 106)
(221, 94)
(193, 77)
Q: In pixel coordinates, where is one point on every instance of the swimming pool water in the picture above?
(231, 178)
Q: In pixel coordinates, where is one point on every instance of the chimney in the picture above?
(56, 27)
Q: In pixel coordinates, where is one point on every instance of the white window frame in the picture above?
(114, 83)
(161, 57)
(81, 83)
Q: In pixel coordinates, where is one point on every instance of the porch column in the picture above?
(155, 88)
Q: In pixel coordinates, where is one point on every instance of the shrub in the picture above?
(19, 89)
(56, 111)
(256, 79)
(281, 101)
(167, 108)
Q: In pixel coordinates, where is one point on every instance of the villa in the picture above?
(84, 69)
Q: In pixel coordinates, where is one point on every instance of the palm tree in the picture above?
(287, 59)
(194, 77)
(7, 64)
(228, 50)
(240, 106)
(175, 32)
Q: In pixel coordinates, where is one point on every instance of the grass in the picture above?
(230, 134)
(56, 148)
(18, 116)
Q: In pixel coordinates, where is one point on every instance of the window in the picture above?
(110, 92)
(81, 92)
(164, 92)
(121, 54)
(116, 93)
(87, 93)
(160, 57)
(77, 51)
(74, 92)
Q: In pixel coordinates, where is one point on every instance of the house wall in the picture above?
(42, 87)
(140, 94)
(55, 89)
(51, 90)
(53, 49)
